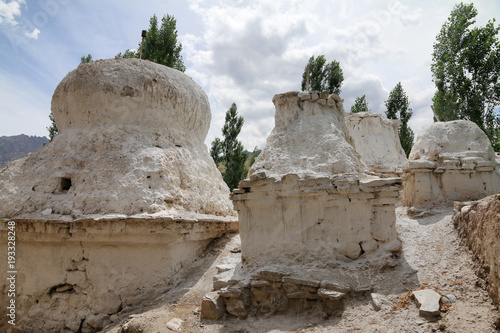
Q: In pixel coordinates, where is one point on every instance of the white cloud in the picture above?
(9, 11)
(34, 34)
(250, 51)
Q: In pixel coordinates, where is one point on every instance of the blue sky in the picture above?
(238, 51)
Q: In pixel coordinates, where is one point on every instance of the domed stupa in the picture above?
(131, 141)
(119, 205)
(450, 161)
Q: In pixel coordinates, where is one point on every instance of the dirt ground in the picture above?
(432, 257)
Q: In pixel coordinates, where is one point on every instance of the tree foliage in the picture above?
(53, 131)
(256, 152)
(398, 107)
(216, 151)
(466, 70)
(360, 105)
(229, 151)
(128, 54)
(323, 76)
(86, 59)
(161, 45)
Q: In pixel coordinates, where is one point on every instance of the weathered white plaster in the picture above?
(308, 139)
(124, 199)
(376, 141)
(308, 214)
(307, 196)
(131, 142)
(450, 161)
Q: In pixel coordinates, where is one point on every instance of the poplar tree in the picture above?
(323, 76)
(229, 151)
(161, 45)
(466, 70)
(86, 59)
(53, 131)
(398, 107)
(360, 105)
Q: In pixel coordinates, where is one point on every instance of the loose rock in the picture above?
(174, 324)
(210, 307)
(428, 302)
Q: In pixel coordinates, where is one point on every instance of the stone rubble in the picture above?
(211, 308)
(448, 299)
(376, 300)
(269, 294)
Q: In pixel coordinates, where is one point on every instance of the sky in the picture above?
(237, 51)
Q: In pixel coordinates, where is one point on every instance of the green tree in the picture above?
(398, 107)
(53, 131)
(230, 151)
(161, 45)
(86, 59)
(466, 71)
(216, 151)
(127, 54)
(256, 152)
(323, 76)
(360, 105)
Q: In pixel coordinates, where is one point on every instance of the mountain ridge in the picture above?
(18, 146)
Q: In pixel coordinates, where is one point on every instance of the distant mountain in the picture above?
(17, 146)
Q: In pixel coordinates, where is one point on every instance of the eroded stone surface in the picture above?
(309, 139)
(128, 153)
(331, 220)
(309, 202)
(376, 141)
(125, 197)
(450, 161)
(132, 92)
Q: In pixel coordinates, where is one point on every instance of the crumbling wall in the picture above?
(450, 161)
(77, 275)
(376, 141)
(295, 220)
(478, 224)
